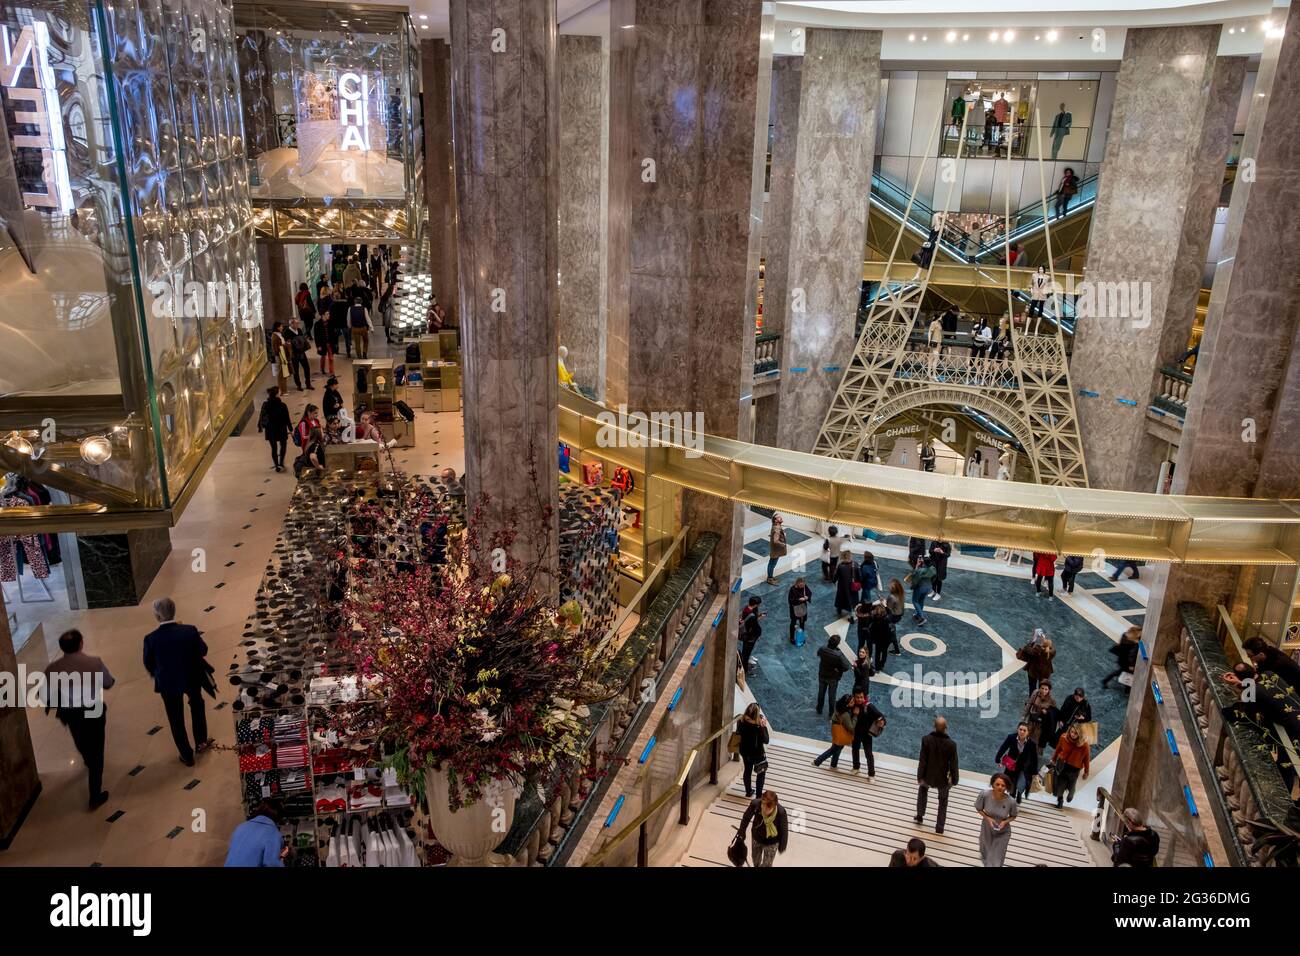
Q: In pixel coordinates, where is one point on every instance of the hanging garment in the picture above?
(33, 553)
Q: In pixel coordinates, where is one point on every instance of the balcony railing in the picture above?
(952, 369)
(545, 830)
(1253, 798)
(1172, 397)
(767, 354)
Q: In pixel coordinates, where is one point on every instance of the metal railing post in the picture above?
(685, 816)
(642, 847)
(713, 761)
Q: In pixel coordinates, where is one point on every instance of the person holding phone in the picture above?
(997, 808)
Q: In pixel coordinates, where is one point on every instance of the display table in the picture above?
(345, 457)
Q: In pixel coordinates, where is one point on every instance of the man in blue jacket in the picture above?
(256, 841)
(174, 656)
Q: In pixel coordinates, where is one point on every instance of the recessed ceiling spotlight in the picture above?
(965, 37)
(952, 35)
(911, 38)
(424, 26)
(1266, 25)
(424, 16)
(1009, 36)
(994, 36)
(924, 38)
(1052, 36)
(1037, 37)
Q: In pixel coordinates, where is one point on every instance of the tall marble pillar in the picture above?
(583, 190)
(19, 783)
(1242, 435)
(784, 120)
(439, 175)
(277, 288)
(690, 82)
(838, 98)
(506, 117)
(1170, 131)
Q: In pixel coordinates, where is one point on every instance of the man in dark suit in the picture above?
(174, 656)
(937, 768)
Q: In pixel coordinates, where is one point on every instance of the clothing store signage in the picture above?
(35, 100)
(986, 439)
(354, 111)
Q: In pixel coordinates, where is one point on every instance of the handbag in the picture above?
(275, 369)
(737, 852)
(760, 767)
(877, 728)
(733, 742)
(841, 736)
(1009, 763)
(1088, 732)
(1126, 679)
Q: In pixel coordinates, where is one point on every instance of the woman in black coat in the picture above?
(846, 575)
(274, 422)
(879, 636)
(752, 727)
(1018, 759)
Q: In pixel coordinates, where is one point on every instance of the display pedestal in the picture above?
(471, 833)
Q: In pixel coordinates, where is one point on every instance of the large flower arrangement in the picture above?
(476, 670)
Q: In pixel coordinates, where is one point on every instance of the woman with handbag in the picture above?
(1040, 714)
(1070, 756)
(894, 603)
(776, 547)
(752, 746)
(869, 723)
(1126, 655)
(843, 723)
(1018, 759)
(768, 829)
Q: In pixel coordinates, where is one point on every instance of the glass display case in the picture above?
(133, 332)
(331, 107)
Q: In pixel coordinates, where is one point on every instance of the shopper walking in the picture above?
(769, 830)
(936, 769)
(843, 722)
(339, 320)
(751, 631)
(868, 577)
(1041, 714)
(1069, 758)
(1038, 654)
(1018, 759)
(275, 424)
(754, 738)
(1121, 565)
(324, 345)
(880, 635)
(299, 346)
(997, 808)
(868, 723)
(920, 580)
(1070, 569)
(831, 665)
(846, 583)
(256, 842)
(940, 552)
(776, 547)
(174, 655)
(1076, 711)
(359, 322)
(799, 599)
(306, 307)
(333, 399)
(1126, 655)
(1044, 570)
(894, 604)
(76, 682)
(862, 670)
(280, 357)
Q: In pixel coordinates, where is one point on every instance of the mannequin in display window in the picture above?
(1060, 129)
(566, 377)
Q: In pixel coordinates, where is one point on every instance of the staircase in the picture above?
(851, 820)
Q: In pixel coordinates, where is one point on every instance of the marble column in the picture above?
(505, 113)
(1242, 435)
(439, 174)
(784, 121)
(690, 84)
(827, 226)
(19, 783)
(583, 189)
(277, 289)
(1170, 131)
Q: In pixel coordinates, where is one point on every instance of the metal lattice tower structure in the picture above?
(1029, 394)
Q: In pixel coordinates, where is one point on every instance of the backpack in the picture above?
(297, 435)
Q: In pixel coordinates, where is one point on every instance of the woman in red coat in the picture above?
(1044, 570)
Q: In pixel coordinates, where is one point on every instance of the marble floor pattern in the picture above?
(161, 812)
(988, 610)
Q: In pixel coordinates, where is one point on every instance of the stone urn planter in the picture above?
(471, 833)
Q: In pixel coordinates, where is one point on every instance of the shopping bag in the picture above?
(733, 743)
(1126, 679)
(275, 369)
(1088, 731)
(1049, 780)
(799, 637)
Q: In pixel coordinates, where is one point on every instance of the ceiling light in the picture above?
(424, 16)
(1051, 36)
(994, 36)
(911, 38)
(1232, 29)
(952, 35)
(1037, 38)
(924, 38)
(19, 444)
(1009, 36)
(96, 450)
(424, 26)
(965, 37)
(1266, 25)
